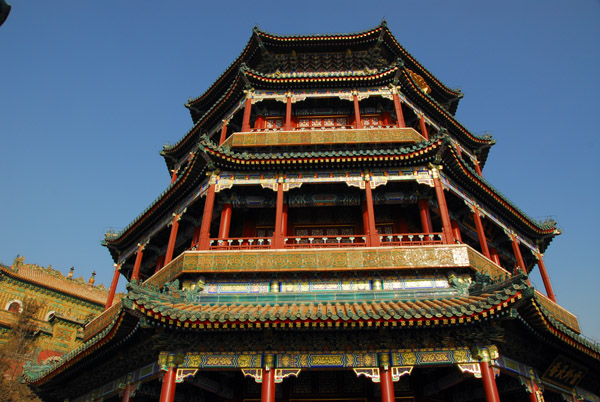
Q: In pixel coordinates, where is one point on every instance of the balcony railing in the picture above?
(240, 243)
(411, 239)
(325, 241)
(330, 241)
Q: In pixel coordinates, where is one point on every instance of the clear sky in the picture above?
(90, 91)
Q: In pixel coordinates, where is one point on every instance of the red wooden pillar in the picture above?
(481, 234)
(172, 239)
(534, 392)
(209, 203)
(288, 113)
(398, 108)
(167, 392)
(372, 236)
(426, 226)
(278, 235)
(224, 131)
(489, 382)
(424, 132)
(247, 111)
(138, 262)
(174, 176)
(456, 230)
(160, 262)
(545, 278)
(494, 256)
(113, 287)
(127, 393)
(441, 199)
(267, 393)
(357, 119)
(387, 385)
(225, 221)
(517, 251)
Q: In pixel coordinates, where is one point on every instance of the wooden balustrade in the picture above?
(411, 239)
(299, 242)
(240, 243)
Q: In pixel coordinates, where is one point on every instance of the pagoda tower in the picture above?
(328, 234)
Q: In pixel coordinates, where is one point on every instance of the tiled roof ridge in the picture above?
(319, 36)
(53, 279)
(480, 140)
(363, 34)
(168, 149)
(181, 179)
(420, 148)
(327, 76)
(556, 328)
(175, 305)
(545, 228)
(37, 373)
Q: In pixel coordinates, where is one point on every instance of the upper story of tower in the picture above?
(320, 75)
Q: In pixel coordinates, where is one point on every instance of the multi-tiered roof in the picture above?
(287, 145)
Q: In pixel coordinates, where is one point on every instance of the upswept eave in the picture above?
(371, 34)
(115, 332)
(172, 153)
(421, 152)
(459, 170)
(159, 206)
(480, 143)
(511, 298)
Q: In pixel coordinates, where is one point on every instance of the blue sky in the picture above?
(90, 91)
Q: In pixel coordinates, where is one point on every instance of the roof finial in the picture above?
(383, 23)
(92, 279)
(70, 274)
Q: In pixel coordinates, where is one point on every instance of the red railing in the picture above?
(325, 241)
(403, 239)
(346, 127)
(411, 239)
(239, 243)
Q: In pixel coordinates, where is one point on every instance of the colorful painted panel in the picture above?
(432, 357)
(398, 283)
(326, 360)
(323, 136)
(317, 259)
(325, 286)
(236, 287)
(207, 361)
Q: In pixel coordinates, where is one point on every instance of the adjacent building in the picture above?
(63, 306)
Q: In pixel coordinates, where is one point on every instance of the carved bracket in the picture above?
(372, 373)
(398, 372)
(182, 374)
(472, 368)
(257, 374)
(280, 374)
